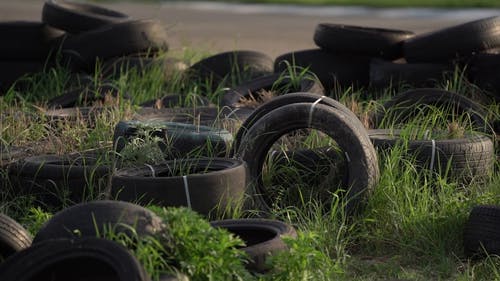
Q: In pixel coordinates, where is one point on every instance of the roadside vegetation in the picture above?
(410, 229)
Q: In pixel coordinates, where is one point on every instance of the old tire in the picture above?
(453, 42)
(13, 237)
(349, 134)
(469, 157)
(262, 238)
(75, 17)
(482, 231)
(178, 139)
(80, 259)
(331, 69)
(91, 218)
(202, 184)
(223, 66)
(402, 106)
(367, 41)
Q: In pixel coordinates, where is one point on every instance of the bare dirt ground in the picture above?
(270, 29)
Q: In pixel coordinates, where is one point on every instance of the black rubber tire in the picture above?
(483, 71)
(272, 82)
(331, 69)
(80, 259)
(453, 42)
(404, 105)
(482, 231)
(180, 139)
(350, 135)
(25, 41)
(81, 220)
(75, 17)
(54, 180)
(470, 157)
(114, 40)
(206, 184)
(170, 101)
(262, 238)
(367, 41)
(280, 101)
(225, 117)
(221, 66)
(13, 237)
(389, 74)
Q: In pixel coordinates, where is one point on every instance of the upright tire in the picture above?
(13, 237)
(482, 231)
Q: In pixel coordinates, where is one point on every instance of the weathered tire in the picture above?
(179, 139)
(93, 218)
(349, 134)
(453, 42)
(202, 184)
(405, 104)
(389, 74)
(11, 73)
(278, 83)
(367, 41)
(280, 101)
(67, 259)
(229, 65)
(54, 180)
(482, 231)
(13, 237)
(331, 69)
(76, 17)
(114, 40)
(469, 157)
(26, 41)
(262, 238)
(483, 71)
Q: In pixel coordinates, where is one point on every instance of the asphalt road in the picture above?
(270, 29)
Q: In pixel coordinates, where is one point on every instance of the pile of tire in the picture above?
(78, 35)
(70, 246)
(369, 56)
(295, 111)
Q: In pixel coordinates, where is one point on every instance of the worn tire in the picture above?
(331, 69)
(404, 104)
(367, 41)
(12, 72)
(388, 74)
(81, 220)
(449, 43)
(482, 231)
(179, 139)
(470, 157)
(350, 135)
(68, 259)
(204, 185)
(274, 82)
(55, 180)
(76, 17)
(13, 237)
(262, 238)
(222, 66)
(114, 40)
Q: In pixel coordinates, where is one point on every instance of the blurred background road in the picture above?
(272, 29)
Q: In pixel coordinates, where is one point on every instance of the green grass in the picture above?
(410, 228)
